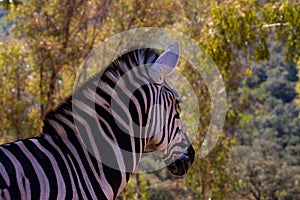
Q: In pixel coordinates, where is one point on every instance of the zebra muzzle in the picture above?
(181, 166)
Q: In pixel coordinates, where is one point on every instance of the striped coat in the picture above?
(89, 147)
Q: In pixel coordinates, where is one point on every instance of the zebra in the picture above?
(59, 164)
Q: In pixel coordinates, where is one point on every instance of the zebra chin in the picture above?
(181, 166)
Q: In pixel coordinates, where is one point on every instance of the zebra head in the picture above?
(168, 140)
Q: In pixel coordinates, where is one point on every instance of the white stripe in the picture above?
(4, 174)
(90, 94)
(42, 178)
(113, 143)
(49, 139)
(59, 129)
(106, 188)
(25, 192)
(60, 182)
(6, 194)
(79, 183)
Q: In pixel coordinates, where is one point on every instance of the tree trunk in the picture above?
(138, 186)
(205, 180)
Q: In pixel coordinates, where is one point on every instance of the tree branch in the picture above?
(276, 25)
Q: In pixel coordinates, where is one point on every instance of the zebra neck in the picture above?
(100, 135)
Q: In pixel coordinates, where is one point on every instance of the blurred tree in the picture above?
(16, 118)
(240, 29)
(58, 35)
(6, 4)
(284, 16)
(224, 29)
(297, 100)
(265, 172)
(131, 191)
(270, 111)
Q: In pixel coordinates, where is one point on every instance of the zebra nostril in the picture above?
(180, 166)
(173, 168)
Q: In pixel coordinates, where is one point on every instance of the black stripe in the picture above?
(61, 164)
(107, 155)
(29, 172)
(87, 168)
(46, 165)
(97, 189)
(10, 169)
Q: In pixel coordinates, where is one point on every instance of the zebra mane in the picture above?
(130, 58)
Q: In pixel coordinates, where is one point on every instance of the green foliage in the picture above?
(268, 160)
(160, 194)
(17, 104)
(215, 181)
(286, 15)
(58, 35)
(270, 112)
(232, 26)
(6, 4)
(265, 172)
(136, 189)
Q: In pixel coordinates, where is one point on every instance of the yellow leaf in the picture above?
(248, 72)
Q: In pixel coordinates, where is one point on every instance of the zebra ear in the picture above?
(165, 63)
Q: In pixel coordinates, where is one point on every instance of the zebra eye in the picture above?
(178, 107)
